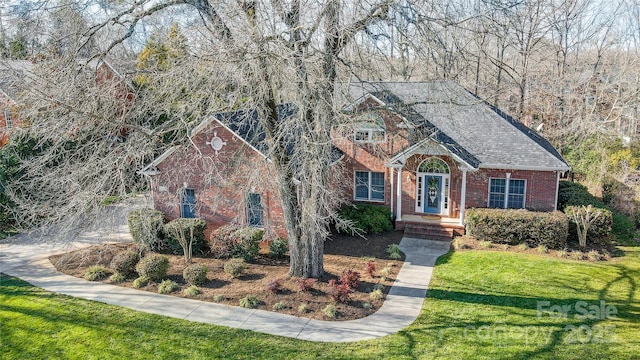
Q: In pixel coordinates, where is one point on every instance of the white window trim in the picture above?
(370, 138)
(8, 120)
(446, 184)
(506, 192)
(183, 201)
(369, 199)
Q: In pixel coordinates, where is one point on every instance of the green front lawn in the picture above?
(481, 304)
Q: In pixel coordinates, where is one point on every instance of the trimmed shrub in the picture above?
(168, 286)
(235, 241)
(599, 231)
(248, 243)
(369, 219)
(235, 267)
(520, 226)
(145, 226)
(153, 266)
(278, 247)
(125, 263)
(222, 241)
(195, 274)
(179, 233)
(97, 272)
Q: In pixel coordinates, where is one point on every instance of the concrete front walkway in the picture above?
(25, 257)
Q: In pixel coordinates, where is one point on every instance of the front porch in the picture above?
(430, 227)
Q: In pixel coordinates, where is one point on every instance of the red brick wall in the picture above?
(540, 187)
(371, 156)
(6, 103)
(220, 181)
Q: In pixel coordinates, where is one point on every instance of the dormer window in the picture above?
(369, 128)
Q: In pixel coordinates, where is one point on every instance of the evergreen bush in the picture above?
(153, 267)
(369, 219)
(514, 227)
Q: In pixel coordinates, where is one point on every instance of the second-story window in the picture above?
(369, 128)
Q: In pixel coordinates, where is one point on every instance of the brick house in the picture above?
(426, 150)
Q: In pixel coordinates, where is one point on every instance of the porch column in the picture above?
(391, 190)
(463, 195)
(399, 196)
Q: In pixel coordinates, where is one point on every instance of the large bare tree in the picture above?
(253, 54)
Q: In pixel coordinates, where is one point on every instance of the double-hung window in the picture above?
(369, 186)
(507, 193)
(188, 203)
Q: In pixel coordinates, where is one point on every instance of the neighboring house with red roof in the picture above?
(426, 150)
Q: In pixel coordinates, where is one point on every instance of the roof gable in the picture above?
(479, 134)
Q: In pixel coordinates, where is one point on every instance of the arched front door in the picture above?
(432, 188)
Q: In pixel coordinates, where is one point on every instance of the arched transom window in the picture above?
(434, 166)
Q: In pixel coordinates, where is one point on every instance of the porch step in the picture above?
(427, 231)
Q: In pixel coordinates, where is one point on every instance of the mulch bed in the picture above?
(342, 253)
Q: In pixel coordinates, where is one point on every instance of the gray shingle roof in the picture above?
(467, 126)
